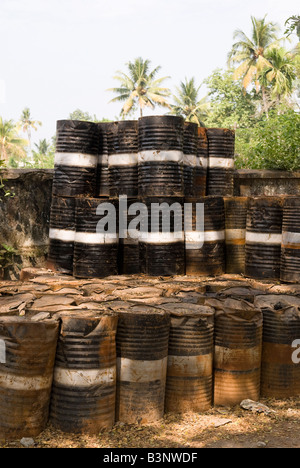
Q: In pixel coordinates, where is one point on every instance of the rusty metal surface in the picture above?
(290, 248)
(84, 384)
(142, 351)
(102, 189)
(237, 354)
(26, 375)
(235, 233)
(280, 376)
(190, 358)
(263, 237)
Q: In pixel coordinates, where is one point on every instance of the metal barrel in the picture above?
(290, 247)
(102, 167)
(237, 355)
(26, 373)
(160, 158)
(190, 358)
(236, 209)
(96, 251)
(205, 243)
(142, 355)
(61, 234)
(162, 245)
(129, 252)
(76, 159)
(263, 238)
(123, 158)
(84, 383)
(190, 158)
(221, 142)
(201, 164)
(280, 373)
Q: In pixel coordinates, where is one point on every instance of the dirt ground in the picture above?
(245, 430)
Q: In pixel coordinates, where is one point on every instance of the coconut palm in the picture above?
(140, 88)
(188, 104)
(43, 154)
(27, 124)
(249, 53)
(280, 73)
(10, 142)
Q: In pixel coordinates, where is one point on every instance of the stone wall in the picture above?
(24, 219)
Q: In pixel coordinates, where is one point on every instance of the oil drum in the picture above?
(190, 159)
(201, 164)
(129, 252)
(235, 233)
(221, 142)
(102, 167)
(290, 248)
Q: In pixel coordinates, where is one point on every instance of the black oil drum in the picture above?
(102, 168)
(201, 164)
(221, 142)
(123, 158)
(61, 234)
(236, 209)
(264, 237)
(76, 159)
(161, 156)
(129, 252)
(84, 384)
(96, 250)
(205, 249)
(142, 355)
(290, 249)
(190, 159)
(162, 249)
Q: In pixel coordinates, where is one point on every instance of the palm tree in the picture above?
(280, 73)
(250, 53)
(188, 104)
(140, 88)
(27, 124)
(44, 154)
(10, 142)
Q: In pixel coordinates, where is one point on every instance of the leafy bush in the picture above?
(272, 144)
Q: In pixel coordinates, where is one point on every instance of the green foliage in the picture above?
(188, 104)
(272, 144)
(231, 107)
(78, 114)
(293, 25)
(7, 255)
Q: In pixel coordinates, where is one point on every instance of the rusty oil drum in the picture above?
(84, 383)
(190, 158)
(160, 158)
(102, 167)
(95, 253)
(26, 374)
(76, 159)
(123, 158)
(264, 237)
(162, 253)
(238, 348)
(61, 234)
(236, 209)
(142, 354)
(205, 250)
(190, 358)
(221, 143)
(290, 248)
(280, 374)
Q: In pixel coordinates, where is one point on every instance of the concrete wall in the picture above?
(24, 219)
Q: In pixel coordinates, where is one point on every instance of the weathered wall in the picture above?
(24, 219)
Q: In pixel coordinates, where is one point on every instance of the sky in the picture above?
(60, 55)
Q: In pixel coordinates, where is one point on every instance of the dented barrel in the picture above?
(237, 355)
(142, 354)
(84, 384)
(123, 158)
(235, 233)
(160, 158)
(221, 143)
(205, 237)
(190, 159)
(102, 167)
(280, 373)
(161, 242)
(290, 247)
(26, 374)
(61, 234)
(96, 238)
(76, 159)
(264, 237)
(190, 358)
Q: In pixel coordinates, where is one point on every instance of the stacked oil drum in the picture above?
(221, 161)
